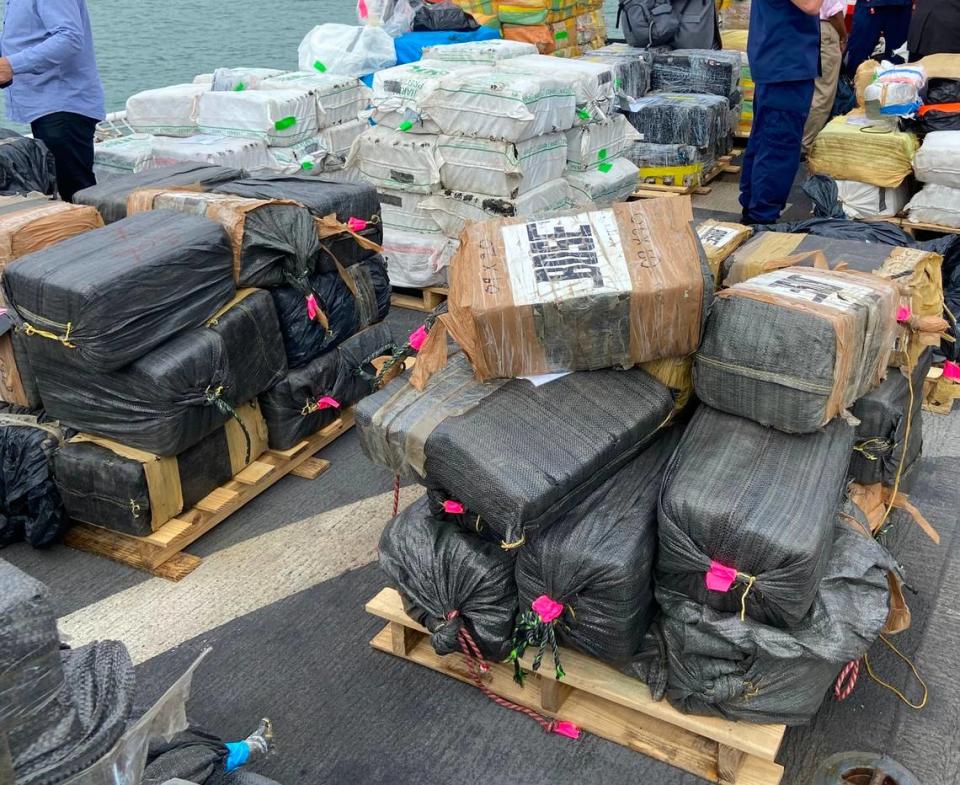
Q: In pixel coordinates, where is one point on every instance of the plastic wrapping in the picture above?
(404, 212)
(669, 164)
(278, 117)
(591, 29)
(825, 341)
(26, 165)
(864, 152)
(882, 232)
(507, 169)
(936, 204)
(313, 396)
(393, 16)
(860, 200)
(741, 497)
(535, 12)
(631, 72)
(233, 152)
(240, 79)
(591, 146)
(938, 159)
(416, 259)
(556, 38)
(444, 15)
(719, 240)
(696, 71)
(17, 384)
(128, 490)
(614, 181)
(123, 155)
(345, 49)
(895, 90)
(702, 121)
(29, 224)
(339, 98)
(494, 446)
(392, 159)
(931, 118)
(479, 52)
(167, 111)
(450, 579)
(410, 46)
(593, 83)
(399, 93)
(83, 299)
(735, 15)
(597, 560)
(173, 396)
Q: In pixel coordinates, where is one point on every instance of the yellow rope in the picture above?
(903, 454)
(509, 546)
(29, 329)
(894, 690)
(743, 599)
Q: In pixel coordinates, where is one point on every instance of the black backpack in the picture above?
(648, 23)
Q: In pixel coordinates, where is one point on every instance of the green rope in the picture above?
(531, 631)
(213, 398)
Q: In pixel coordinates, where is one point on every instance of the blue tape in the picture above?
(238, 753)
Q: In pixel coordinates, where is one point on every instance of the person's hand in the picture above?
(6, 72)
(843, 44)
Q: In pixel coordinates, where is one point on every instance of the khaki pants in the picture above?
(825, 88)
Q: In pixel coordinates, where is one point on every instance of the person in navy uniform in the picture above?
(871, 19)
(784, 53)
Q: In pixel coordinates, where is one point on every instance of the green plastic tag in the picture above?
(406, 125)
(583, 114)
(306, 165)
(561, 35)
(319, 66)
(602, 153)
(240, 87)
(285, 123)
(618, 83)
(605, 167)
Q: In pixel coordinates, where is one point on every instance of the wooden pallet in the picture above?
(605, 702)
(418, 299)
(721, 166)
(911, 227)
(161, 553)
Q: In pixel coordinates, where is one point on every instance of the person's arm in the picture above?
(811, 7)
(836, 21)
(62, 20)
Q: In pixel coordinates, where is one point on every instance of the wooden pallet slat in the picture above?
(425, 299)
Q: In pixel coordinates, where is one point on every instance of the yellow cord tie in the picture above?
(903, 454)
(509, 546)
(29, 329)
(751, 579)
(894, 690)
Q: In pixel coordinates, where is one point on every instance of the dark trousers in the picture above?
(892, 22)
(772, 156)
(69, 137)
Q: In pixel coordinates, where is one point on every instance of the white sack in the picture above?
(346, 49)
(278, 117)
(508, 169)
(168, 111)
(612, 182)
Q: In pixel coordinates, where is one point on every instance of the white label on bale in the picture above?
(842, 295)
(717, 236)
(565, 257)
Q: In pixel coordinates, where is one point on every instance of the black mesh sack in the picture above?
(696, 71)
(110, 197)
(450, 579)
(312, 396)
(26, 165)
(747, 512)
(597, 560)
(172, 397)
(106, 297)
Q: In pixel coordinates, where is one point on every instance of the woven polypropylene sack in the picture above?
(193, 755)
(597, 560)
(440, 569)
(106, 297)
(26, 165)
(110, 197)
(756, 500)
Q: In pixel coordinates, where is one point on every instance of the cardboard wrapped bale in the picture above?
(119, 487)
(719, 240)
(339, 98)
(311, 397)
(597, 560)
(696, 71)
(277, 117)
(26, 165)
(451, 580)
(702, 121)
(493, 446)
(166, 111)
(104, 298)
(173, 396)
(795, 348)
(31, 223)
(847, 150)
(747, 515)
(579, 291)
(611, 182)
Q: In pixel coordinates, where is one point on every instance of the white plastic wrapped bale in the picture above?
(404, 212)
(323, 154)
(861, 200)
(346, 49)
(508, 169)
(508, 106)
(206, 79)
(417, 260)
(232, 152)
(123, 155)
(590, 146)
(479, 52)
(340, 98)
(279, 117)
(613, 181)
(592, 82)
(399, 93)
(338, 139)
(167, 111)
(240, 79)
(453, 210)
(895, 91)
(938, 159)
(392, 159)
(936, 204)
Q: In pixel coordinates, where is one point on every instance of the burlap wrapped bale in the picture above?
(796, 347)
(849, 151)
(756, 500)
(448, 579)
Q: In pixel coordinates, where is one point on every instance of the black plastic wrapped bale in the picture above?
(172, 397)
(747, 512)
(444, 15)
(347, 301)
(125, 489)
(883, 414)
(710, 71)
(17, 385)
(70, 707)
(312, 396)
(104, 298)
(110, 197)
(631, 71)
(844, 229)
(323, 198)
(517, 455)
(677, 118)
(717, 664)
(26, 165)
(30, 507)
(449, 579)
(597, 560)
(669, 164)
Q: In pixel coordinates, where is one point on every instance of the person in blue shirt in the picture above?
(871, 19)
(784, 54)
(52, 82)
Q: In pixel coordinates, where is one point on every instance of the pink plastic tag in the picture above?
(417, 338)
(326, 402)
(903, 313)
(951, 371)
(313, 310)
(720, 578)
(546, 609)
(453, 508)
(362, 9)
(567, 729)
(356, 225)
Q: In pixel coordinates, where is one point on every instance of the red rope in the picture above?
(847, 680)
(396, 494)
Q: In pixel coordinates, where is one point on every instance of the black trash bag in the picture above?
(26, 165)
(883, 413)
(104, 298)
(883, 232)
(846, 98)
(949, 247)
(443, 15)
(451, 580)
(717, 664)
(312, 396)
(30, 506)
(943, 91)
(822, 190)
(597, 560)
(110, 196)
(171, 398)
(20, 369)
(756, 502)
